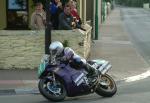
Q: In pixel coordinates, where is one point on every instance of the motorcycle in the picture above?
(58, 80)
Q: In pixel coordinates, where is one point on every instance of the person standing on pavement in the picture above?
(38, 18)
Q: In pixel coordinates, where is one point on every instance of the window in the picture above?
(17, 14)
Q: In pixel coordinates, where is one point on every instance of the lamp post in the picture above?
(48, 28)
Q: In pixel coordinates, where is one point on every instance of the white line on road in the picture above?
(138, 77)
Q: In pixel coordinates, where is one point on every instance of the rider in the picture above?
(66, 54)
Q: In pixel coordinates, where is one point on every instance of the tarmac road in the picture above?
(133, 92)
(137, 23)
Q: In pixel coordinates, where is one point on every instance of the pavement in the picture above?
(13, 82)
(113, 45)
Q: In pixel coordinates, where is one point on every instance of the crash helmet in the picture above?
(68, 52)
(56, 48)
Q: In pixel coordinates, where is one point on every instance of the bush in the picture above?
(66, 43)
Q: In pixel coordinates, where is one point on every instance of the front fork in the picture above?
(52, 77)
(54, 86)
(96, 83)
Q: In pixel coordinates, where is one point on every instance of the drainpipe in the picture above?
(93, 36)
(96, 20)
(84, 11)
(81, 8)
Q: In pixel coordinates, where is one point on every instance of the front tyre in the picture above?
(107, 86)
(52, 91)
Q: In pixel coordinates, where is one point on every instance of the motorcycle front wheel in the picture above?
(52, 91)
(107, 86)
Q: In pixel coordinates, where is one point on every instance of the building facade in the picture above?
(15, 14)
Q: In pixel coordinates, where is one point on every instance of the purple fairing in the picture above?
(67, 74)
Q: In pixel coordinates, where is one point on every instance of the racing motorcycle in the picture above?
(58, 80)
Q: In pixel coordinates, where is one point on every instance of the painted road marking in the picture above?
(138, 77)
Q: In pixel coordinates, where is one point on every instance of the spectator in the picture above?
(38, 18)
(55, 9)
(65, 19)
(108, 8)
(74, 12)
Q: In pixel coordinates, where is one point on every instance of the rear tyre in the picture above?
(107, 86)
(53, 92)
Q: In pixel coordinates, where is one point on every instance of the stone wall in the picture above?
(24, 49)
(20, 49)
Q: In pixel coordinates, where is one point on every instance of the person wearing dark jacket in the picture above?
(66, 19)
(55, 9)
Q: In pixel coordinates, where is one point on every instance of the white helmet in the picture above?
(56, 48)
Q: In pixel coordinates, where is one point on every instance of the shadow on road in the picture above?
(80, 99)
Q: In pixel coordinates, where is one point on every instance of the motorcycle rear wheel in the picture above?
(44, 90)
(107, 90)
